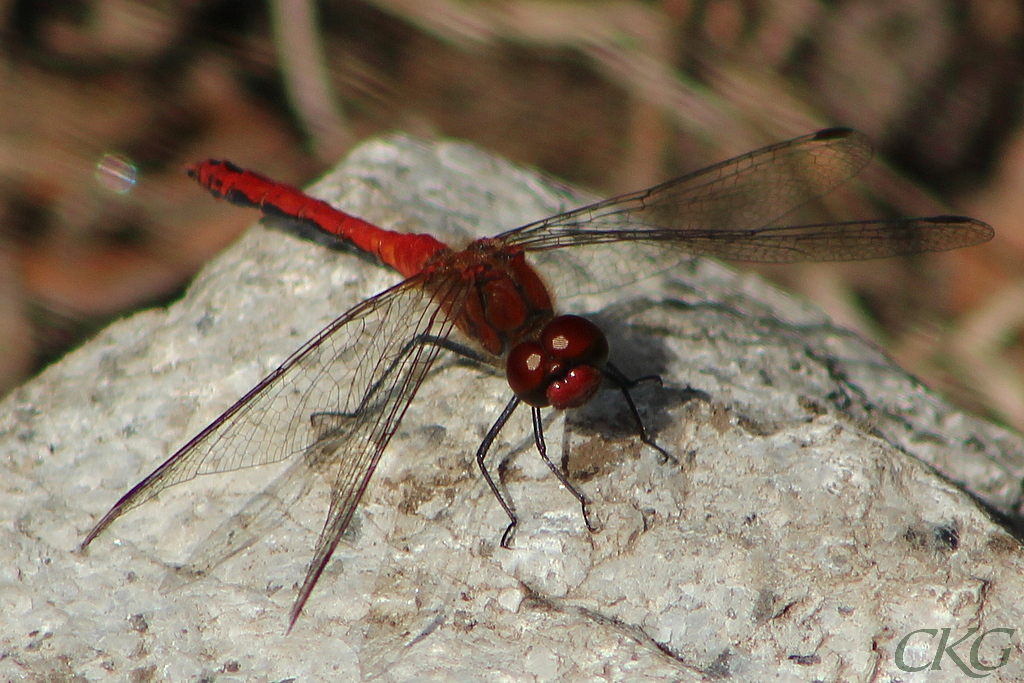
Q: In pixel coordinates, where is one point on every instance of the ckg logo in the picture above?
(968, 658)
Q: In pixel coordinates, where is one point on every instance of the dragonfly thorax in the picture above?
(506, 301)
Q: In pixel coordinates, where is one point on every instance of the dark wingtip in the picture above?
(833, 133)
(101, 525)
(293, 616)
(953, 219)
(982, 232)
(93, 533)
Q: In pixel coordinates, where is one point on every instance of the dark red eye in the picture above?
(577, 340)
(564, 369)
(526, 371)
(577, 387)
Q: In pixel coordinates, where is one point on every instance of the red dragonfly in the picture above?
(335, 403)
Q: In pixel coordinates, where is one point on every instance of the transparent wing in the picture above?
(263, 513)
(732, 210)
(336, 402)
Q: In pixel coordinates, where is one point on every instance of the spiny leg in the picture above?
(421, 340)
(481, 453)
(625, 384)
(538, 437)
(326, 424)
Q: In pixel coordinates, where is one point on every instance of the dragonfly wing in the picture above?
(734, 210)
(753, 190)
(654, 229)
(262, 514)
(362, 369)
(845, 241)
(348, 477)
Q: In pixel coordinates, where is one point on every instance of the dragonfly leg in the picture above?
(421, 340)
(458, 349)
(538, 436)
(326, 424)
(481, 453)
(625, 384)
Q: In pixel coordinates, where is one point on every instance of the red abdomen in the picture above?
(406, 253)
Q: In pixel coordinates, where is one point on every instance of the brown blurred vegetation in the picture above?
(613, 95)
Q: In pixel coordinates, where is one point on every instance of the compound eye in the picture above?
(563, 370)
(577, 387)
(527, 373)
(576, 340)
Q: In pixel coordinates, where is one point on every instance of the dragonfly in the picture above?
(333, 405)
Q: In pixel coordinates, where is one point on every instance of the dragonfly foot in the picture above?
(506, 538)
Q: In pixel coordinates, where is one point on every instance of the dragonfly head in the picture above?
(562, 368)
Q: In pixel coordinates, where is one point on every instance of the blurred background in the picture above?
(103, 101)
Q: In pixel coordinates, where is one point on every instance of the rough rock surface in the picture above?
(813, 521)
